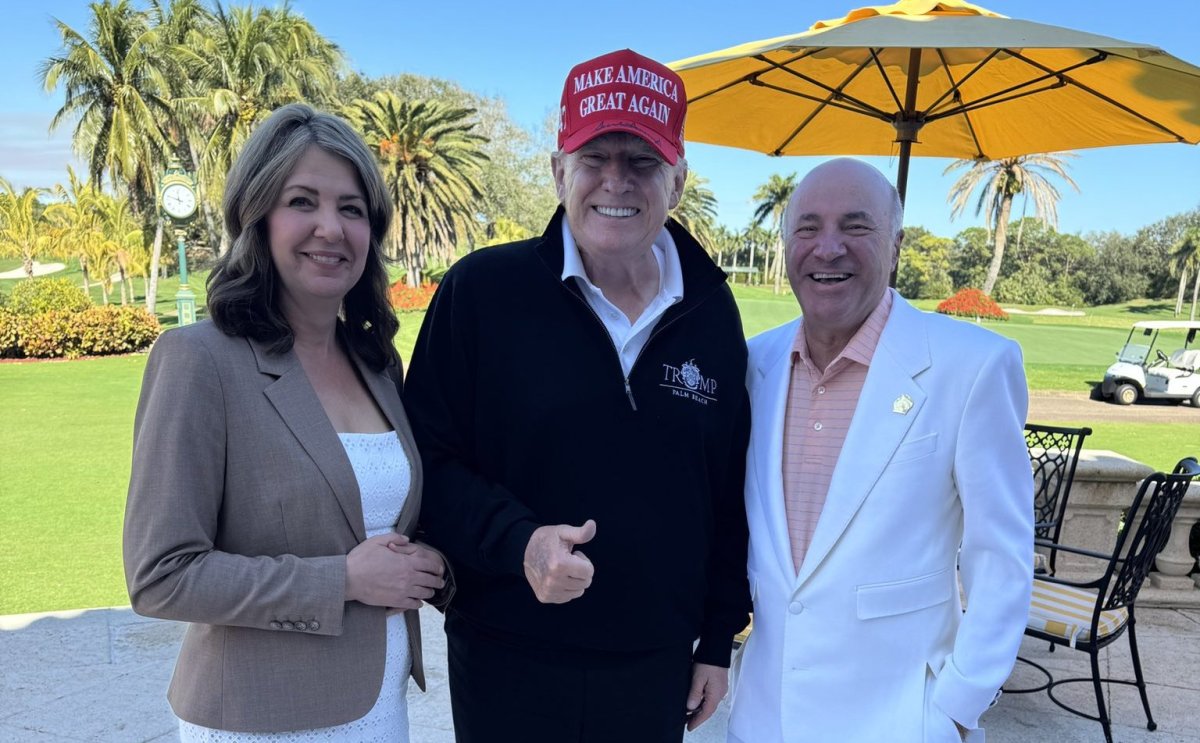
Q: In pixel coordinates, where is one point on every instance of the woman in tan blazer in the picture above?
(275, 483)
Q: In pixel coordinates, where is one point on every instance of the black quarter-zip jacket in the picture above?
(524, 418)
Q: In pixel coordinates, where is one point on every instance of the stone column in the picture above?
(1176, 561)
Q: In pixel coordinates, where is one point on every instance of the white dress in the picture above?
(383, 474)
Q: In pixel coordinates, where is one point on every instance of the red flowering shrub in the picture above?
(972, 303)
(405, 298)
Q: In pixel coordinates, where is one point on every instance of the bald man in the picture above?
(886, 459)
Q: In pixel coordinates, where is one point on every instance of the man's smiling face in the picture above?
(617, 191)
(841, 244)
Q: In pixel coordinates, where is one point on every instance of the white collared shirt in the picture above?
(628, 337)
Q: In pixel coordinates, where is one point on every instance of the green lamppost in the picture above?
(177, 197)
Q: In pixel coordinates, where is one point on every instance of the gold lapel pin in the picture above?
(902, 405)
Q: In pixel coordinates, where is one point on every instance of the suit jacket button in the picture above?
(314, 625)
(795, 607)
(276, 625)
(301, 626)
(288, 625)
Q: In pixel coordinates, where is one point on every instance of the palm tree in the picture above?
(504, 230)
(1001, 181)
(772, 198)
(123, 239)
(175, 21)
(119, 96)
(697, 210)
(23, 229)
(432, 160)
(1184, 258)
(242, 63)
(757, 240)
(76, 222)
(724, 244)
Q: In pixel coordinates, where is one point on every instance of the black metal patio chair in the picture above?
(1089, 616)
(1053, 454)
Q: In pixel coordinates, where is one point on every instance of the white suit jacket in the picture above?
(869, 642)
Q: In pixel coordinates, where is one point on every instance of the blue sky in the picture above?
(522, 51)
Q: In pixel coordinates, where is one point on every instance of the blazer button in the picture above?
(314, 625)
(301, 626)
(795, 607)
(276, 625)
(288, 625)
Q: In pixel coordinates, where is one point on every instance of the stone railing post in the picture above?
(1176, 561)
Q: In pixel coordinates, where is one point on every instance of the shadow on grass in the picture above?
(1152, 309)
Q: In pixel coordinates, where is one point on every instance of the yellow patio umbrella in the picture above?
(938, 78)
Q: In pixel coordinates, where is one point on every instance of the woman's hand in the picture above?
(389, 570)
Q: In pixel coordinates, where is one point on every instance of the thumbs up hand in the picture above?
(557, 572)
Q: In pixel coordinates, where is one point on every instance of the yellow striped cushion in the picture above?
(1066, 611)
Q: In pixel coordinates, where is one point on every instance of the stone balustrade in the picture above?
(1105, 483)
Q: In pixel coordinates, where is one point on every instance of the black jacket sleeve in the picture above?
(474, 521)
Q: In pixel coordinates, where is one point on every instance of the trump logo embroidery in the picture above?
(686, 380)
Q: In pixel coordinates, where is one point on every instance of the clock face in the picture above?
(178, 200)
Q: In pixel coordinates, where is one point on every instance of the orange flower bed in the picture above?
(972, 303)
(405, 298)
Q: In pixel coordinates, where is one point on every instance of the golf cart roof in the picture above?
(1167, 325)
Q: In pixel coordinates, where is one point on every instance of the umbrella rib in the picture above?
(1061, 81)
(957, 91)
(992, 100)
(838, 92)
(956, 87)
(750, 76)
(1100, 57)
(827, 101)
(886, 80)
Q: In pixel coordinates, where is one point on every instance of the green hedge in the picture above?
(96, 331)
(35, 296)
(9, 334)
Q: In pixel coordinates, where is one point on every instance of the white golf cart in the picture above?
(1141, 370)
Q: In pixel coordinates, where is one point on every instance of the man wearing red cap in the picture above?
(580, 406)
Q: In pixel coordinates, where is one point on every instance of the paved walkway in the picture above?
(101, 675)
(39, 269)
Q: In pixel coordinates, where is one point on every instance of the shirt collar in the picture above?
(861, 347)
(670, 272)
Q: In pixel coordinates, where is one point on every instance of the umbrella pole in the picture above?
(907, 125)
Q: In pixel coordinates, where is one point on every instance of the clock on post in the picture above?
(177, 199)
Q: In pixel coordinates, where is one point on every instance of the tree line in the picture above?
(187, 81)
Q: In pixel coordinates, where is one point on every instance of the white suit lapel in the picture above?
(769, 403)
(876, 430)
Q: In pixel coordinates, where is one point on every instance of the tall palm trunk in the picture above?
(27, 265)
(126, 287)
(1195, 294)
(998, 251)
(210, 221)
(155, 258)
(777, 268)
(1182, 288)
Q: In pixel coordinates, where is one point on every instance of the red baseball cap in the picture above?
(623, 91)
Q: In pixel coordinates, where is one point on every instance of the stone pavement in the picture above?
(101, 675)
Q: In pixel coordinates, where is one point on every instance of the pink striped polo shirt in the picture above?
(820, 407)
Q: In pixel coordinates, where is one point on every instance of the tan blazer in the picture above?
(242, 506)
